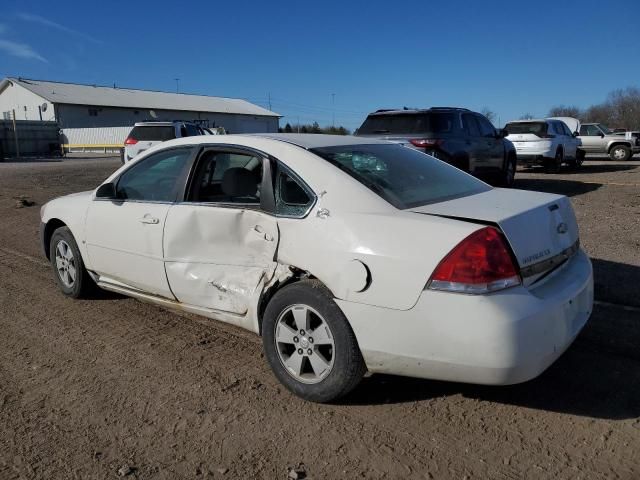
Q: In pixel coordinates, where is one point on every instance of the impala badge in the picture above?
(562, 228)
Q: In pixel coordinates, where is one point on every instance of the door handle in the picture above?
(149, 220)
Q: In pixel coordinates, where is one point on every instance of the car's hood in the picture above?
(538, 226)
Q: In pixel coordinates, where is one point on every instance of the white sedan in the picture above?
(346, 254)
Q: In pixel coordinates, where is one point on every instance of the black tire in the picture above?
(577, 162)
(553, 165)
(508, 175)
(348, 366)
(620, 153)
(82, 284)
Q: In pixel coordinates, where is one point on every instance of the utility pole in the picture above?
(333, 110)
(177, 85)
(15, 133)
(269, 100)
(298, 124)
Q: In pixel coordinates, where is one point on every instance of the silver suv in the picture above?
(145, 135)
(597, 138)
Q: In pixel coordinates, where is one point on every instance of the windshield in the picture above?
(404, 177)
(409, 123)
(535, 128)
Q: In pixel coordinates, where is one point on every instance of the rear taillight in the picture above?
(481, 263)
(426, 142)
(130, 141)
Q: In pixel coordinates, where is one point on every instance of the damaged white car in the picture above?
(346, 254)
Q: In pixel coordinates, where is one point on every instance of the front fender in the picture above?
(71, 211)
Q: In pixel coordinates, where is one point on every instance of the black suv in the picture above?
(457, 136)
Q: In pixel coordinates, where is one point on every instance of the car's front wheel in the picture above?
(309, 343)
(68, 267)
(621, 153)
(579, 160)
(553, 165)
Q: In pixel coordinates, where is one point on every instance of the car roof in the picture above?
(159, 124)
(313, 140)
(530, 120)
(400, 111)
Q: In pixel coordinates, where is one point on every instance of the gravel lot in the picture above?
(89, 387)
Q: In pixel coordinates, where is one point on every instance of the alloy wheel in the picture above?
(65, 264)
(619, 153)
(305, 344)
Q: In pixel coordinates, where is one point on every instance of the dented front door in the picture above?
(219, 257)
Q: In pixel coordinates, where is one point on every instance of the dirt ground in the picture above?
(89, 387)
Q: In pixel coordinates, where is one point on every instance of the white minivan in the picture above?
(145, 135)
(548, 141)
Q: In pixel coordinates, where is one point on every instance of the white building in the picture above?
(93, 116)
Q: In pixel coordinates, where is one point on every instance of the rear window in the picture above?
(409, 123)
(402, 176)
(535, 128)
(157, 133)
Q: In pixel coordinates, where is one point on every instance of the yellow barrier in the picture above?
(104, 146)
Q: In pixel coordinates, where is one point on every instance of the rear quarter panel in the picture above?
(400, 251)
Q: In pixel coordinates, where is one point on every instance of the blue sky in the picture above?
(510, 57)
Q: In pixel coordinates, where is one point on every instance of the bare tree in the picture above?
(565, 111)
(526, 116)
(489, 114)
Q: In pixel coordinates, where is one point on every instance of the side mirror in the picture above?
(106, 190)
(576, 133)
(601, 135)
(501, 133)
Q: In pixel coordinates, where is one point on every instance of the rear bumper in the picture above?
(534, 159)
(504, 338)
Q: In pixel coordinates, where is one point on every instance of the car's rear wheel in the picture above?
(508, 175)
(620, 153)
(68, 267)
(553, 165)
(309, 343)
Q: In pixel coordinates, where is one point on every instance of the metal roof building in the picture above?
(102, 116)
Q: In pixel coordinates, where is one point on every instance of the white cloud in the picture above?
(28, 17)
(21, 50)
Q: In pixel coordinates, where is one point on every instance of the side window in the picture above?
(292, 199)
(589, 130)
(226, 177)
(155, 178)
(470, 125)
(486, 129)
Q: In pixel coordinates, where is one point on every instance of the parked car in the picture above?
(346, 254)
(597, 138)
(458, 136)
(633, 135)
(549, 141)
(145, 135)
(214, 131)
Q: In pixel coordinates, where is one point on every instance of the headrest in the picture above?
(239, 182)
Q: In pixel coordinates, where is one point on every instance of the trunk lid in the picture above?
(541, 228)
